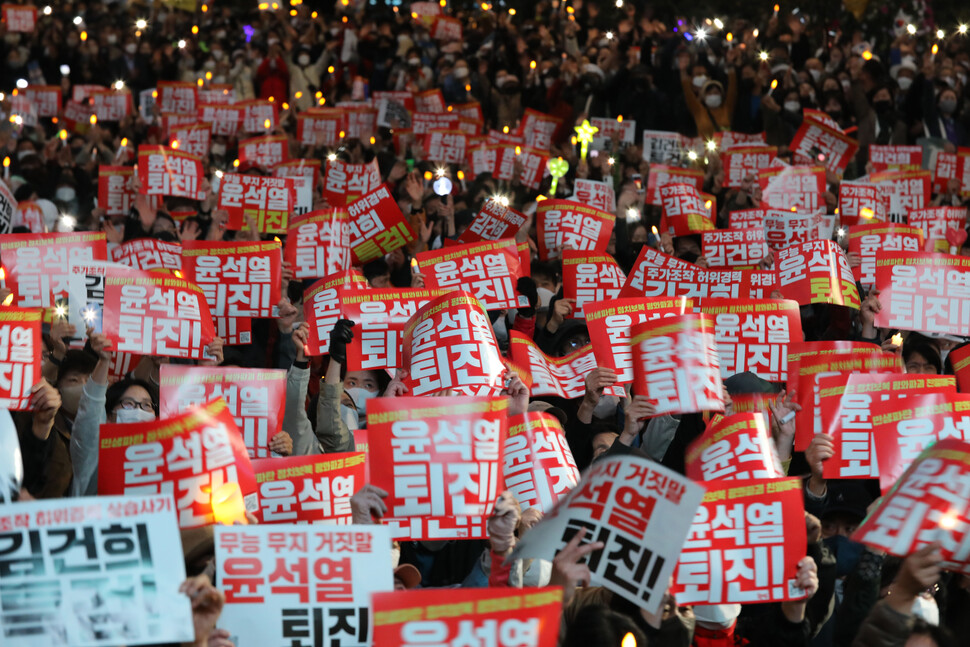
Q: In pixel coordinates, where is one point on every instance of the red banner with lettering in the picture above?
(817, 272)
(268, 200)
(167, 171)
(344, 182)
(449, 344)
(734, 247)
(661, 175)
(189, 456)
(19, 18)
(377, 226)
(733, 448)
(494, 222)
(148, 254)
(255, 398)
(557, 376)
(686, 210)
(308, 489)
(37, 266)
(114, 195)
(862, 202)
(923, 291)
(744, 545)
(321, 308)
(318, 244)
(675, 364)
(564, 224)
(934, 223)
(895, 158)
(589, 277)
(793, 187)
(539, 466)
(743, 161)
(192, 138)
(830, 147)
(266, 151)
(150, 313)
(489, 270)
(20, 353)
(224, 120)
(869, 240)
(440, 460)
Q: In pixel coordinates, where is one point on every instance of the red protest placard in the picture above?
(560, 376)
(261, 116)
(685, 210)
(255, 398)
(848, 404)
(234, 331)
(903, 429)
(19, 18)
(904, 190)
(816, 272)
(734, 247)
(320, 127)
(321, 308)
(733, 448)
(488, 269)
(265, 151)
(862, 202)
(539, 466)
(927, 504)
(487, 616)
(675, 364)
(46, 99)
(494, 222)
(20, 353)
(168, 121)
(944, 170)
(564, 224)
(786, 228)
(308, 489)
(868, 240)
(446, 146)
(809, 370)
(299, 168)
(820, 143)
(743, 161)
(166, 171)
(675, 278)
(37, 266)
(224, 119)
(661, 175)
(239, 279)
(269, 200)
(798, 187)
(624, 130)
(923, 291)
(114, 194)
(647, 258)
(744, 545)
(380, 315)
(537, 128)
(934, 223)
(429, 101)
(217, 94)
(192, 138)
(449, 344)
(318, 244)
(754, 334)
(179, 97)
(189, 456)
(377, 226)
(344, 182)
(589, 277)
(111, 105)
(440, 462)
(148, 254)
(895, 158)
(150, 313)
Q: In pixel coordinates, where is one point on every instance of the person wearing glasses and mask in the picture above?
(125, 401)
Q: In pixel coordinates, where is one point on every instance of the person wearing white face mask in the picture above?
(306, 75)
(128, 400)
(712, 108)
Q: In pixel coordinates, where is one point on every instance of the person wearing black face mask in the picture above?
(940, 115)
(877, 119)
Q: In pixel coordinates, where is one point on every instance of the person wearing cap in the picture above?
(711, 108)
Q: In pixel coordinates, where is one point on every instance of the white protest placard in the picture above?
(302, 585)
(92, 571)
(640, 510)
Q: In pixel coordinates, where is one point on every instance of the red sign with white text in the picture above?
(440, 461)
(589, 277)
(308, 489)
(564, 224)
(189, 456)
(744, 161)
(344, 182)
(861, 203)
(449, 344)
(793, 187)
(868, 240)
(559, 376)
(268, 200)
(167, 171)
(817, 272)
(744, 545)
(148, 254)
(934, 222)
(489, 270)
(37, 266)
(321, 308)
(20, 353)
(923, 291)
(733, 448)
(377, 226)
(255, 398)
(494, 222)
(675, 364)
(734, 247)
(150, 313)
(318, 244)
(239, 279)
(539, 466)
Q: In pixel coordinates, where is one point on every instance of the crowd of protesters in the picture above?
(574, 60)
